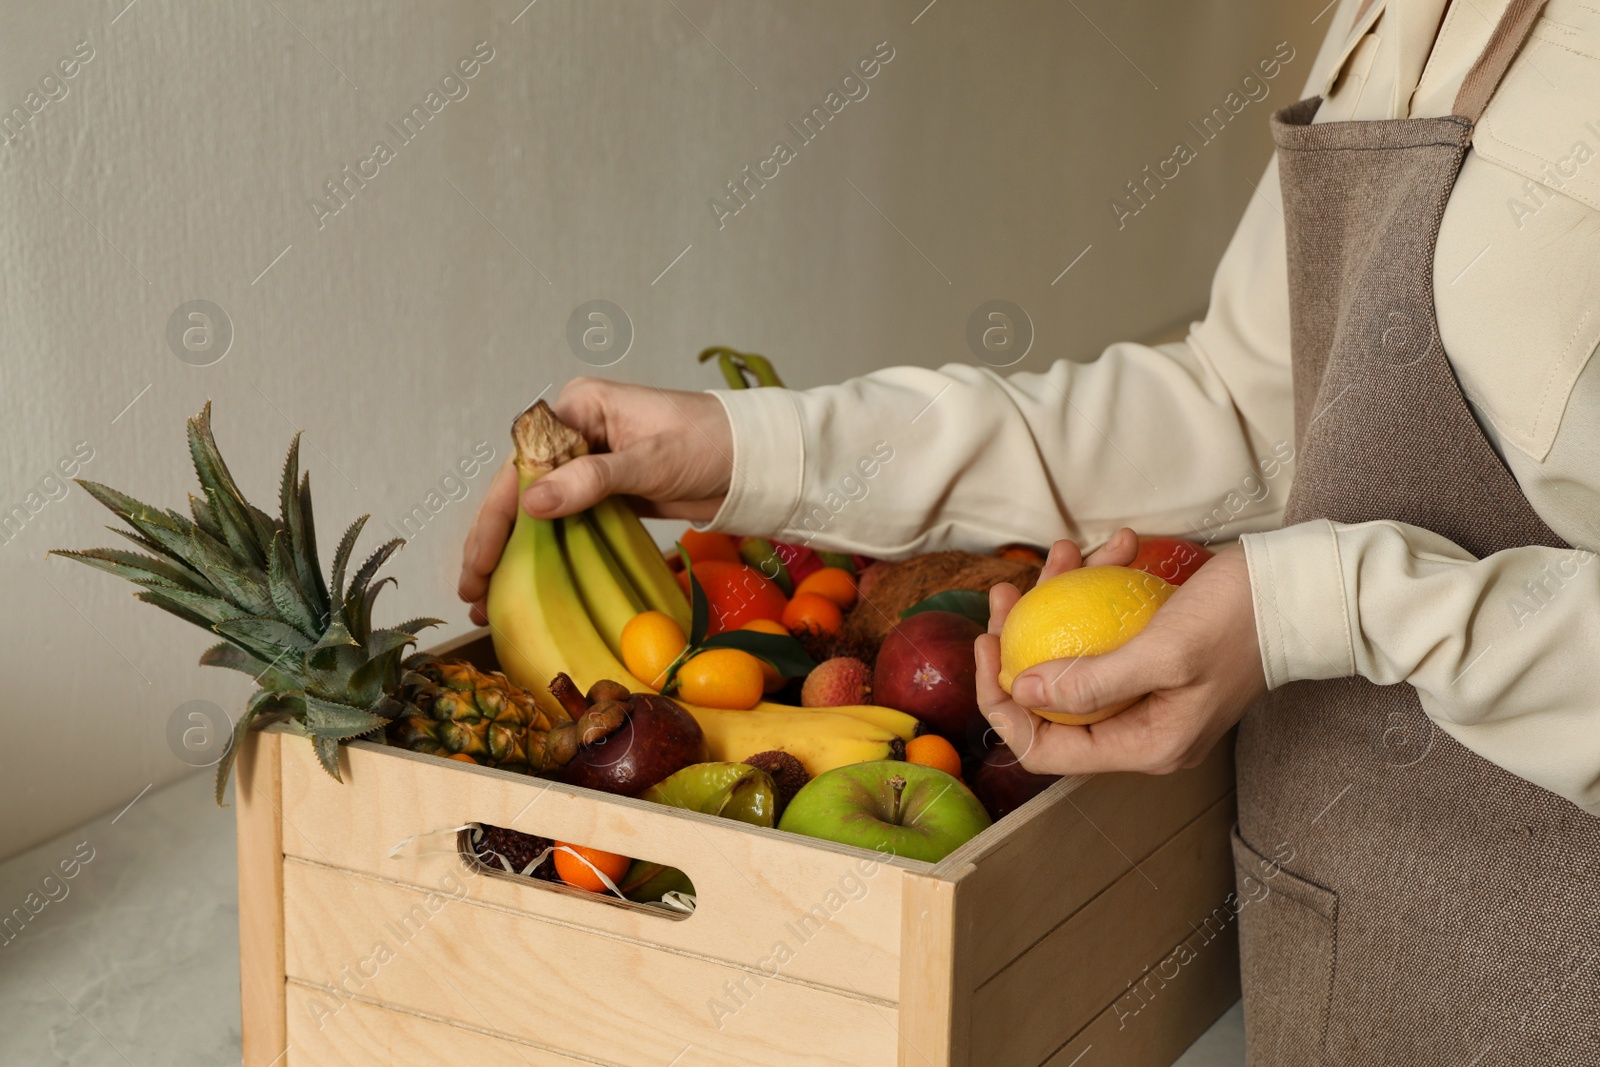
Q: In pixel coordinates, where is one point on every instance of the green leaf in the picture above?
(358, 585)
(262, 701)
(336, 636)
(328, 755)
(358, 616)
(207, 607)
(301, 549)
(287, 595)
(238, 532)
(700, 609)
(341, 560)
(786, 655)
(330, 719)
(309, 528)
(262, 633)
(205, 516)
(225, 764)
(233, 657)
(244, 585)
(155, 530)
(239, 520)
(157, 597)
(973, 605)
(135, 566)
(380, 642)
(411, 626)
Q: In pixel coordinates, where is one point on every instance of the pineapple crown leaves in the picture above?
(256, 581)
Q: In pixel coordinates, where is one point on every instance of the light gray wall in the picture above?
(399, 333)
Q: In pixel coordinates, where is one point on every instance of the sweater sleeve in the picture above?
(1192, 438)
(1502, 651)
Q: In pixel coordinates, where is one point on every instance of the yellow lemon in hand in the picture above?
(1085, 612)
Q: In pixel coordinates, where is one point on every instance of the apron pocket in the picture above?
(1287, 938)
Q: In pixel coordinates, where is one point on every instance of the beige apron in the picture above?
(1405, 900)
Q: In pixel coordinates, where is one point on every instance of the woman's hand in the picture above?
(671, 451)
(1192, 671)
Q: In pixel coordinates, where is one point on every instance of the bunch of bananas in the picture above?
(564, 589)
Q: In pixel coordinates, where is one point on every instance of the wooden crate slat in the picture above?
(1056, 856)
(372, 1035)
(257, 803)
(1139, 1029)
(932, 969)
(565, 988)
(1039, 1000)
(839, 908)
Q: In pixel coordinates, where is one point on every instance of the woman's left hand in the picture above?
(1192, 673)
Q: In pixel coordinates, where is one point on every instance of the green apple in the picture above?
(906, 809)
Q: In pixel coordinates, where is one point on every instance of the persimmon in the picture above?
(835, 583)
(706, 545)
(813, 612)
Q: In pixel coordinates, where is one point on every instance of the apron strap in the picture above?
(1504, 42)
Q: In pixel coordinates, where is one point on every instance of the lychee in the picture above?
(836, 683)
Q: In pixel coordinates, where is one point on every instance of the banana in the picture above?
(526, 608)
(537, 617)
(902, 725)
(816, 737)
(605, 590)
(635, 550)
(541, 626)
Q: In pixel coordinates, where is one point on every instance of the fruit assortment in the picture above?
(738, 677)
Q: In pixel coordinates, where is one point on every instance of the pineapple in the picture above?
(309, 643)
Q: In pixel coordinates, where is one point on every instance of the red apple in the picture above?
(1170, 558)
(925, 668)
(1003, 786)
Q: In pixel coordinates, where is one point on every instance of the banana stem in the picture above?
(762, 369)
(543, 442)
(742, 370)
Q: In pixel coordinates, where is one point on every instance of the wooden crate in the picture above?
(1090, 927)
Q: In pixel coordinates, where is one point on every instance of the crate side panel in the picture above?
(1026, 1012)
(932, 977)
(258, 801)
(562, 987)
(326, 1031)
(1047, 865)
(841, 911)
(1154, 1029)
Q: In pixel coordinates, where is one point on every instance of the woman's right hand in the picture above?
(672, 451)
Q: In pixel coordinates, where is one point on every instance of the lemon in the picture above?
(1084, 612)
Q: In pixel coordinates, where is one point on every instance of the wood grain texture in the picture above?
(932, 968)
(753, 884)
(363, 1034)
(257, 805)
(1042, 998)
(1153, 1029)
(561, 986)
(1069, 844)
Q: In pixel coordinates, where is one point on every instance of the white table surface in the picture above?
(139, 962)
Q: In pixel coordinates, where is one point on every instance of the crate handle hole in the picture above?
(645, 885)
